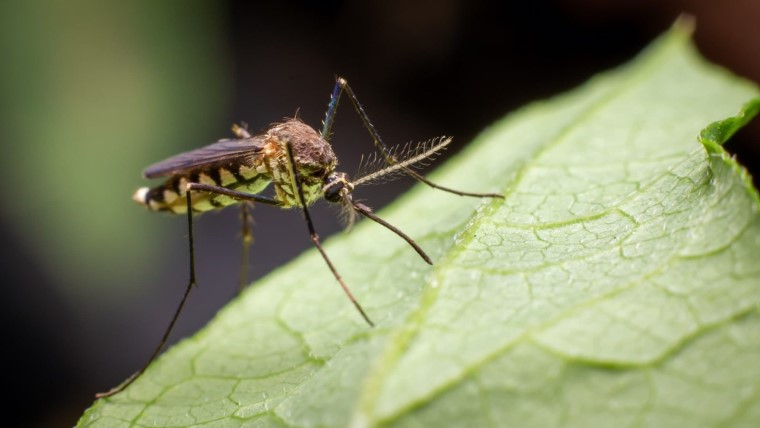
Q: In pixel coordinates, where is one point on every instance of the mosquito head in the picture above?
(337, 187)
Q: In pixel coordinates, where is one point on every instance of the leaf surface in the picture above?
(617, 284)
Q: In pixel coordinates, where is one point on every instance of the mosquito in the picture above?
(300, 165)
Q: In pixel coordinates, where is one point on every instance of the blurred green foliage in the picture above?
(90, 93)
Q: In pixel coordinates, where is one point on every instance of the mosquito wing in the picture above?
(221, 152)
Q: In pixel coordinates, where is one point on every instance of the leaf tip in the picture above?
(717, 133)
(685, 25)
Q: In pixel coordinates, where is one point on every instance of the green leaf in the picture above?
(617, 283)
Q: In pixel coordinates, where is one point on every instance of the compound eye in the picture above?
(332, 190)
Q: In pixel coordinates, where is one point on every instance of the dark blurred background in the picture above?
(91, 92)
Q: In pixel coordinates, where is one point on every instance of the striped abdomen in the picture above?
(170, 196)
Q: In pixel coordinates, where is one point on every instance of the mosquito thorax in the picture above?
(313, 153)
(336, 187)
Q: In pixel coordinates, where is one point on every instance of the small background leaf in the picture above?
(616, 285)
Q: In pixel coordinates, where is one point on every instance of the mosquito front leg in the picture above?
(341, 85)
(293, 173)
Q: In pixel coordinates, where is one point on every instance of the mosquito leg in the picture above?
(420, 177)
(191, 283)
(341, 85)
(313, 233)
(332, 107)
(367, 212)
(241, 131)
(190, 188)
(246, 220)
(232, 194)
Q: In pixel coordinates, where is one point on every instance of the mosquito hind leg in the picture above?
(341, 85)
